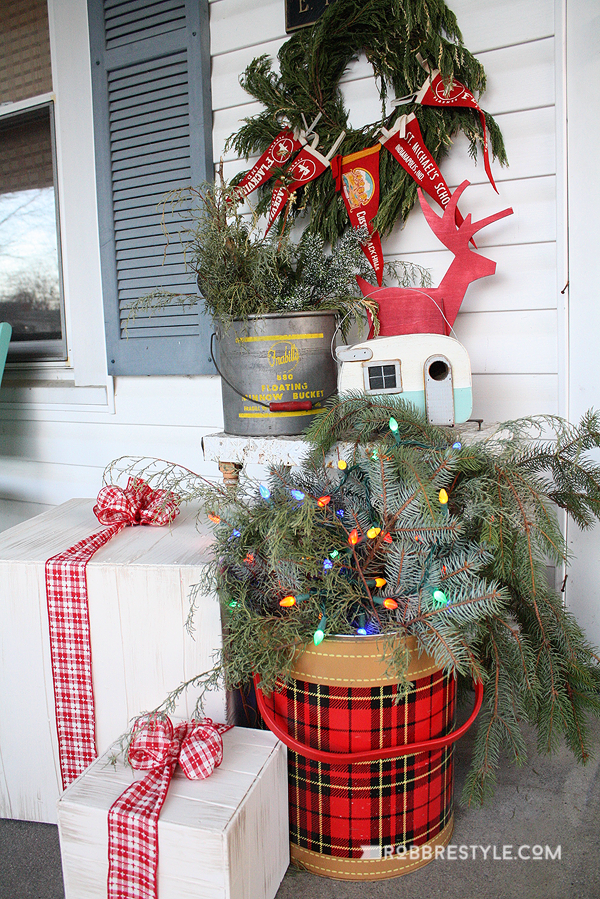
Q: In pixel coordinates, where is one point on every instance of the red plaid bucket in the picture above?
(370, 778)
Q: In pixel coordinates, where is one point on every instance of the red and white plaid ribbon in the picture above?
(66, 594)
(133, 819)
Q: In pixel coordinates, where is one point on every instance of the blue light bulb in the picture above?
(264, 491)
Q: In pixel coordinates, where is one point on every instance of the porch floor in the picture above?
(550, 802)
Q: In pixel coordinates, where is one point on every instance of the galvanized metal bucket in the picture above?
(276, 372)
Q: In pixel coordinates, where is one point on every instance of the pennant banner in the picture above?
(433, 93)
(277, 154)
(405, 143)
(307, 166)
(357, 177)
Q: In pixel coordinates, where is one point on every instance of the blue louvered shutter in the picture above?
(153, 134)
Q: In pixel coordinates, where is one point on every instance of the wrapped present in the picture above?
(225, 836)
(138, 591)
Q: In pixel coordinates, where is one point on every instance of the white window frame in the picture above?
(16, 112)
(85, 366)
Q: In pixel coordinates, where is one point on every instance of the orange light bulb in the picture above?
(323, 501)
(287, 602)
(390, 603)
(380, 582)
(353, 537)
(214, 518)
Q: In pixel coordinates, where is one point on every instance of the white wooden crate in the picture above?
(138, 595)
(226, 837)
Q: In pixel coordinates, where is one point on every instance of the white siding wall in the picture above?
(54, 443)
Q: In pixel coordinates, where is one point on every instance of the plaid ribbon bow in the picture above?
(155, 747)
(68, 619)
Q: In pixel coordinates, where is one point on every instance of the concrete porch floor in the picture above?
(551, 802)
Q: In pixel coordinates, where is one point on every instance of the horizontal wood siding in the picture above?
(512, 324)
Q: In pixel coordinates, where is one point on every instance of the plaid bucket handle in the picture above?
(369, 755)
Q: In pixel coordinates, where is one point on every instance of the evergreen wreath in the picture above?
(311, 63)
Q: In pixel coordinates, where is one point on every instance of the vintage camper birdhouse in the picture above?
(431, 371)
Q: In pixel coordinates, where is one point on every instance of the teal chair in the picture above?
(5, 333)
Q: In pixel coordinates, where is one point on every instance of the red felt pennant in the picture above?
(405, 143)
(280, 151)
(357, 177)
(307, 166)
(434, 93)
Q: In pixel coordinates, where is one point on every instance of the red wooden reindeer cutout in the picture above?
(419, 310)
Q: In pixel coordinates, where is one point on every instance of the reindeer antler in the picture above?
(444, 227)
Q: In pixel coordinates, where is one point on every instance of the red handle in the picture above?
(300, 405)
(367, 755)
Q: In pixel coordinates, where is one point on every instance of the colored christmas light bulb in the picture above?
(340, 513)
(342, 465)
(249, 559)
(323, 501)
(443, 497)
(287, 602)
(362, 631)
(319, 634)
(393, 425)
(373, 532)
(297, 495)
(327, 564)
(457, 445)
(334, 554)
(235, 533)
(440, 598)
(353, 537)
(390, 603)
(380, 582)
(233, 604)
(264, 491)
(214, 517)
(387, 538)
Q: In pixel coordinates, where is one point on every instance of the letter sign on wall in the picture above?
(299, 13)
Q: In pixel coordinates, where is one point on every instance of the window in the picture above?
(383, 377)
(30, 282)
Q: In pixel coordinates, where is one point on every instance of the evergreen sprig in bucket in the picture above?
(244, 275)
(419, 533)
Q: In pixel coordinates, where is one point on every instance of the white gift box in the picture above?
(225, 837)
(138, 595)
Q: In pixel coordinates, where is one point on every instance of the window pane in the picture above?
(24, 50)
(30, 296)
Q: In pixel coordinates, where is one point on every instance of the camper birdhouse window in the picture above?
(385, 377)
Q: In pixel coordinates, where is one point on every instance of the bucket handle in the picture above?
(368, 755)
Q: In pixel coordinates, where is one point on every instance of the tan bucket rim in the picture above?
(360, 661)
